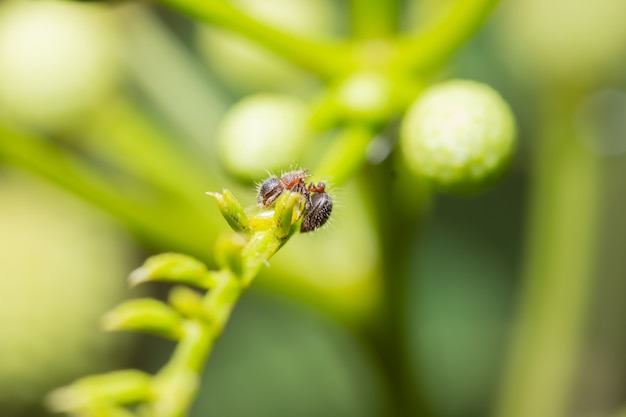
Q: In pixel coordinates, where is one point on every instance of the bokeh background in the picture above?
(112, 118)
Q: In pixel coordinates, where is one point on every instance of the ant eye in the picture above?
(269, 191)
(318, 213)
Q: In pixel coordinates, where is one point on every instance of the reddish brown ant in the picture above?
(318, 204)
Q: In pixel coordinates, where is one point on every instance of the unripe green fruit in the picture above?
(459, 134)
(263, 133)
(58, 60)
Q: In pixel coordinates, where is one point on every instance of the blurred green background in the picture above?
(110, 125)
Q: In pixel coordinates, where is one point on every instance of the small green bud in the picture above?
(174, 268)
(288, 211)
(145, 315)
(263, 133)
(232, 210)
(187, 302)
(458, 134)
(228, 252)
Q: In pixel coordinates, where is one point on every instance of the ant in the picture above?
(318, 205)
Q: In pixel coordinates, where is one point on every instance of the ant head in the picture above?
(269, 191)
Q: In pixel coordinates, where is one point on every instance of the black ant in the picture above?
(318, 205)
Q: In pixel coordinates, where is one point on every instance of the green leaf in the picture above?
(100, 392)
(175, 268)
(145, 315)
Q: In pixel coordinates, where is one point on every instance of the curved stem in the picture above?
(193, 350)
(165, 71)
(326, 59)
(428, 48)
(123, 135)
(346, 155)
(142, 209)
(559, 273)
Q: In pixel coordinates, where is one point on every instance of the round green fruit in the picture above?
(261, 133)
(58, 60)
(459, 134)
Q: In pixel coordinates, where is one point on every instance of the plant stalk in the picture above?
(558, 279)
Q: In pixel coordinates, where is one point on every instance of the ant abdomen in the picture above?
(318, 212)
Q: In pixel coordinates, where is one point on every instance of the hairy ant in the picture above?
(318, 204)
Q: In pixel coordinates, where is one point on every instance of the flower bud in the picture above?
(458, 134)
(263, 133)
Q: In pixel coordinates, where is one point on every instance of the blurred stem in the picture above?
(193, 350)
(430, 47)
(559, 272)
(388, 334)
(174, 81)
(123, 134)
(374, 18)
(146, 213)
(323, 58)
(346, 155)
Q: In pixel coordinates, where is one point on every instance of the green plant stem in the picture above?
(165, 70)
(346, 155)
(430, 47)
(122, 134)
(143, 212)
(325, 59)
(387, 334)
(181, 374)
(193, 350)
(559, 272)
(374, 18)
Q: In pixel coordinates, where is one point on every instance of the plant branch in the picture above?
(431, 46)
(558, 275)
(374, 18)
(143, 210)
(194, 321)
(326, 59)
(346, 155)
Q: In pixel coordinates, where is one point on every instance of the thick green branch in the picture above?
(135, 206)
(558, 275)
(374, 18)
(431, 46)
(325, 59)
